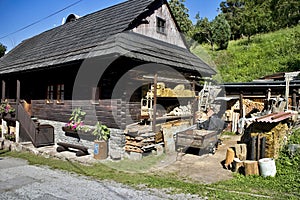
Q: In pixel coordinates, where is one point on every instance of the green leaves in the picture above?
(2, 50)
(102, 132)
(181, 15)
(221, 32)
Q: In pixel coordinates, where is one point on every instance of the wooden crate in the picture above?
(196, 138)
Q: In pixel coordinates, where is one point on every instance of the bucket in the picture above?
(267, 167)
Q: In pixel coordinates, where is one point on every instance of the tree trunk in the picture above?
(251, 167)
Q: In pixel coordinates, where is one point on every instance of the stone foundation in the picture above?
(116, 142)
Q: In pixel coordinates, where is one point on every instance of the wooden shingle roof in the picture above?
(75, 40)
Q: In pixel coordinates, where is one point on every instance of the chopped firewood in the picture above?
(133, 149)
(251, 167)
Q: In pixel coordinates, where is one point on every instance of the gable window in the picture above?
(160, 25)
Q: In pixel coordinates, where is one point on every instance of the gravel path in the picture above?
(18, 180)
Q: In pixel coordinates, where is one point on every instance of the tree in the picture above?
(181, 15)
(2, 50)
(256, 17)
(202, 30)
(285, 13)
(232, 10)
(221, 32)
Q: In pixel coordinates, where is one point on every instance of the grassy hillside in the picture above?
(264, 54)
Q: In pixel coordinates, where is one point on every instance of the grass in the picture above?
(143, 165)
(285, 185)
(264, 54)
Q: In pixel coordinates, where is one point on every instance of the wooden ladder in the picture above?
(204, 95)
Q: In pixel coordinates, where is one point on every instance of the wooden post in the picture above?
(18, 96)
(154, 103)
(251, 167)
(18, 91)
(241, 151)
(253, 148)
(258, 145)
(3, 90)
(194, 105)
(241, 104)
(267, 101)
(268, 94)
(294, 100)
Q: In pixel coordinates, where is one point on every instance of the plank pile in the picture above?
(141, 140)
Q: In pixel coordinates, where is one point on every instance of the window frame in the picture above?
(161, 25)
(55, 92)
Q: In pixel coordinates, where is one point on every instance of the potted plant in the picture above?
(7, 110)
(76, 127)
(102, 133)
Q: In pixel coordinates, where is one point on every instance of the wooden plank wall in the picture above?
(114, 113)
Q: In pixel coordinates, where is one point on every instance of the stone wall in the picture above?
(116, 142)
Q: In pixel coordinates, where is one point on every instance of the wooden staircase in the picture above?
(39, 135)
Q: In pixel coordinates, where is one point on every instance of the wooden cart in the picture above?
(204, 140)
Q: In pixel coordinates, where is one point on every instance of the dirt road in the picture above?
(204, 169)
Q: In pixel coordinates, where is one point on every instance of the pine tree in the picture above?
(221, 32)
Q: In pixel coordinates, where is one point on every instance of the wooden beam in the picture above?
(3, 90)
(154, 103)
(241, 104)
(18, 91)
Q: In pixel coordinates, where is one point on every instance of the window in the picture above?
(60, 93)
(50, 93)
(160, 25)
(57, 91)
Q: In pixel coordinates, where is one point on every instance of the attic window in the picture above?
(160, 25)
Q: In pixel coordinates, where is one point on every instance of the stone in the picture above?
(115, 155)
(159, 149)
(7, 144)
(16, 147)
(135, 156)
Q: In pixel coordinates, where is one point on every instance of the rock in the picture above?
(16, 147)
(115, 155)
(7, 144)
(135, 156)
(159, 149)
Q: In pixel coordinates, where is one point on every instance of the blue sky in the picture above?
(17, 14)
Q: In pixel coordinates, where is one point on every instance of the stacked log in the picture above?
(274, 139)
(141, 141)
(249, 106)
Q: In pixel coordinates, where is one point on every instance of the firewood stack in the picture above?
(141, 140)
(275, 139)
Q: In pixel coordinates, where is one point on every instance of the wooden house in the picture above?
(84, 60)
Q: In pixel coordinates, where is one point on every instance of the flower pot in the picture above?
(80, 135)
(100, 149)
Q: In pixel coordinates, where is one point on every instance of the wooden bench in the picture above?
(81, 150)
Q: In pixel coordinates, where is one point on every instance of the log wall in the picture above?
(114, 113)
